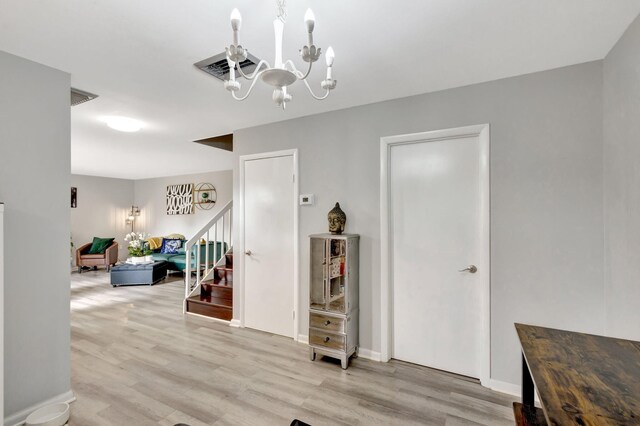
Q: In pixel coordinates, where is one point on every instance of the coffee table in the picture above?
(148, 274)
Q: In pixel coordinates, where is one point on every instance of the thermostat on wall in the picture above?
(307, 199)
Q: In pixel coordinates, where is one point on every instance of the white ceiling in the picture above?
(138, 56)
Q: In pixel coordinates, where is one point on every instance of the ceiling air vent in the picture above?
(218, 67)
(80, 96)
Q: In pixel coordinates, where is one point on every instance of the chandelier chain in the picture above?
(282, 10)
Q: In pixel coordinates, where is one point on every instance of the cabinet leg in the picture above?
(312, 354)
(344, 361)
(355, 354)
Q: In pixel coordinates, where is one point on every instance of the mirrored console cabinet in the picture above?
(333, 296)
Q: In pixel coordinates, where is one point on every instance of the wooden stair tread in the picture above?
(218, 282)
(208, 300)
(196, 306)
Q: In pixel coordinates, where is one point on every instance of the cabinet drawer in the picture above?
(328, 340)
(324, 322)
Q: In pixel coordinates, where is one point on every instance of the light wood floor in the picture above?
(136, 360)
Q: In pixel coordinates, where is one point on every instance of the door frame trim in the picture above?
(241, 229)
(481, 131)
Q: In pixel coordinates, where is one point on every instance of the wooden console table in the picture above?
(581, 379)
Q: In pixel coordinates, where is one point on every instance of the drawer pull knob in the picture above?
(327, 322)
(326, 339)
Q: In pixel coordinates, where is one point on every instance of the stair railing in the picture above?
(220, 229)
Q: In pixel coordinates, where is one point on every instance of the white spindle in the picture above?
(222, 245)
(206, 255)
(215, 244)
(187, 275)
(198, 263)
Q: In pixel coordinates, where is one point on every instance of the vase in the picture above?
(136, 260)
(148, 258)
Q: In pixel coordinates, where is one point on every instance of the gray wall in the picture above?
(150, 196)
(622, 183)
(34, 184)
(103, 204)
(546, 189)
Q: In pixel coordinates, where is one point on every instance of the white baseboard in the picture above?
(369, 354)
(496, 385)
(504, 387)
(508, 388)
(19, 418)
(235, 323)
(362, 353)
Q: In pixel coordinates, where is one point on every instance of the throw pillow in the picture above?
(175, 237)
(170, 246)
(155, 243)
(100, 245)
(182, 250)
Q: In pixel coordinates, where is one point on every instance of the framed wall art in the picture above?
(180, 199)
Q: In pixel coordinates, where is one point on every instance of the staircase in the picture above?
(216, 295)
(209, 277)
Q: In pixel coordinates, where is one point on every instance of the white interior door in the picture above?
(269, 244)
(436, 231)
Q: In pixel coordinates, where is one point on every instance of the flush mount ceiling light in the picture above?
(122, 124)
(282, 74)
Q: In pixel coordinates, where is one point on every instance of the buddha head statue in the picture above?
(337, 219)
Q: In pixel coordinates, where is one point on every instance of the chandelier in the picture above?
(282, 74)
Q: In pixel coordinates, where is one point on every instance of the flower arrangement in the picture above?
(138, 247)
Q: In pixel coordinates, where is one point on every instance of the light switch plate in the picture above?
(307, 199)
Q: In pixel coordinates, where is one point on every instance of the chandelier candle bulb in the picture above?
(329, 56)
(236, 22)
(310, 22)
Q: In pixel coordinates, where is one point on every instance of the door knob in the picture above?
(471, 268)
(248, 252)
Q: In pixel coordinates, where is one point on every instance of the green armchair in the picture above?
(107, 259)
